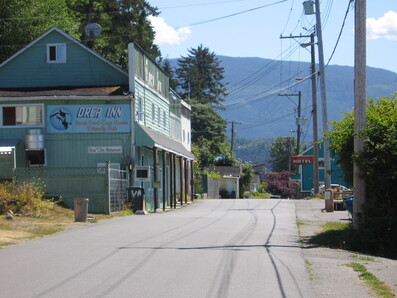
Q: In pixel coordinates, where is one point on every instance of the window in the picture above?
(35, 157)
(153, 112)
(29, 115)
(164, 119)
(140, 109)
(159, 113)
(56, 53)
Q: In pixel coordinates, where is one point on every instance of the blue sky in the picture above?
(252, 28)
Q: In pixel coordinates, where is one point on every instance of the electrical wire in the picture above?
(340, 32)
(200, 4)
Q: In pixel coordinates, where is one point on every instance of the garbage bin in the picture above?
(80, 209)
(135, 196)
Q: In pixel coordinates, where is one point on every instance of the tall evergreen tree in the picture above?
(169, 70)
(281, 150)
(23, 21)
(200, 76)
(122, 22)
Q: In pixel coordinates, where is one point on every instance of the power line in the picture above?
(200, 4)
(227, 16)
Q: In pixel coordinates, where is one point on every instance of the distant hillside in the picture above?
(271, 116)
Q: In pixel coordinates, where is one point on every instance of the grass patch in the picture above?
(24, 228)
(308, 267)
(377, 286)
(344, 236)
(363, 258)
(334, 235)
(301, 240)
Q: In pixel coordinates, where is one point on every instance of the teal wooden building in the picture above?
(83, 125)
(306, 172)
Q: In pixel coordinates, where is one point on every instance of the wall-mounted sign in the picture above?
(88, 118)
(302, 160)
(105, 150)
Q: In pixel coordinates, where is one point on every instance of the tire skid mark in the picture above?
(221, 284)
(151, 254)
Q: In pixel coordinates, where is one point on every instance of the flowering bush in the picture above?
(280, 184)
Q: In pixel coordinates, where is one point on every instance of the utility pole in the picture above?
(316, 186)
(314, 102)
(232, 136)
(360, 100)
(327, 164)
(298, 119)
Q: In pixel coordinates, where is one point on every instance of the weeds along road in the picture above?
(212, 248)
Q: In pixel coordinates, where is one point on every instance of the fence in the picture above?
(117, 190)
(105, 187)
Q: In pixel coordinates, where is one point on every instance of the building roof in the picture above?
(228, 171)
(64, 91)
(151, 138)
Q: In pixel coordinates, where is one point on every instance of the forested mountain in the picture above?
(251, 79)
(254, 85)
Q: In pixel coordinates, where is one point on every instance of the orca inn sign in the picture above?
(302, 160)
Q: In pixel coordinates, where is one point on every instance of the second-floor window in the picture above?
(164, 119)
(22, 115)
(153, 112)
(56, 53)
(140, 109)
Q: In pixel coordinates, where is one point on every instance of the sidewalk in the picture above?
(330, 276)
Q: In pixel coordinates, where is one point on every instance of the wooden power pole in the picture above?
(327, 163)
(360, 100)
(232, 136)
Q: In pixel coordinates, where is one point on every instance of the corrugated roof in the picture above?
(153, 138)
(65, 91)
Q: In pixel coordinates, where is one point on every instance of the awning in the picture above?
(150, 138)
(6, 146)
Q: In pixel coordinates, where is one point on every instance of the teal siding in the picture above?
(82, 68)
(150, 97)
(71, 149)
(337, 176)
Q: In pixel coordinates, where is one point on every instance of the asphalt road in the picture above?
(212, 248)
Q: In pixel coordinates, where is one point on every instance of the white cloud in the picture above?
(165, 34)
(383, 27)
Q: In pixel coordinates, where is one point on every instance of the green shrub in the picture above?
(25, 199)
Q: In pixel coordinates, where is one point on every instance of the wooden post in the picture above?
(192, 179)
(314, 112)
(174, 178)
(185, 163)
(181, 179)
(155, 180)
(360, 100)
(164, 180)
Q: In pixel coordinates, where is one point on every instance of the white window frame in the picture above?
(42, 124)
(60, 52)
